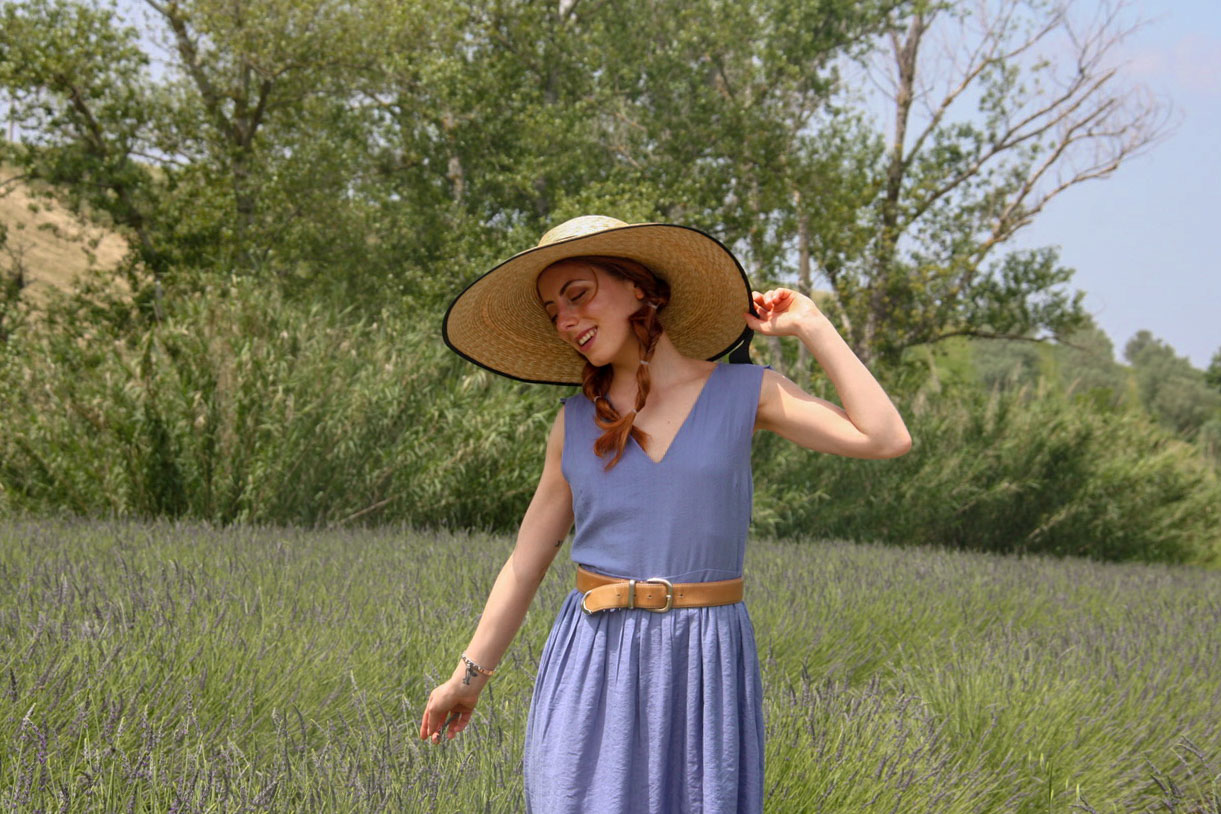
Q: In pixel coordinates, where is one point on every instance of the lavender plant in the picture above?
(172, 666)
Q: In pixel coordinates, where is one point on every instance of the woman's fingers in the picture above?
(444, 716)
(771, 299)
(431, 722)
(457, 723)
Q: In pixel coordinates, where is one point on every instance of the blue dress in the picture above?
(655, 712)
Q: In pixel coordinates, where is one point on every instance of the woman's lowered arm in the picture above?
(543, 529)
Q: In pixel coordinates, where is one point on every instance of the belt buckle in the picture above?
(669, 594)
(631, 595)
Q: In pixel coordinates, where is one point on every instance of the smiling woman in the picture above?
(597, 302)
(648, 695)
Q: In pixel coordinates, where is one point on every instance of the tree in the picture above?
(247, 133)
(997, 109)
(1169, 387)
(80, 91)
(1212, 376)
(671, 109)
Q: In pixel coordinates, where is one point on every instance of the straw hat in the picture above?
(498, 323)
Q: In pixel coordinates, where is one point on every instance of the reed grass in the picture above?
(241, 406)
(173, 666)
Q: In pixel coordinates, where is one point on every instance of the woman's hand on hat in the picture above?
(782, 312)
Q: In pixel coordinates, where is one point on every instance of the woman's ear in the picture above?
(639, 291)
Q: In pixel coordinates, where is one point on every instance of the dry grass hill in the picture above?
(49, 242)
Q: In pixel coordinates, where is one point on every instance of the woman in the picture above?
(648, 696)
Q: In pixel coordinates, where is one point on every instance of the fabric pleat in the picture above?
(641, 712)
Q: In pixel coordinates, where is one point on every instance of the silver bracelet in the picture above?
(477, 668)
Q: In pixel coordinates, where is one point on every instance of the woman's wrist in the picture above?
(814, 330)
(470, 673)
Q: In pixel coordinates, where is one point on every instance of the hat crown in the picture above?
(579, 227)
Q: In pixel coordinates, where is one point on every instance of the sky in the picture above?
(1146, 242)
(1143, 242)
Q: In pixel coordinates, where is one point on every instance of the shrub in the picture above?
(1027, 471)
(242, 407)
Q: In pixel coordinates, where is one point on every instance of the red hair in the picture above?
(596, 381)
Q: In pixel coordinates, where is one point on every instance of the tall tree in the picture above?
(214, 164)
(80, 91)
(997, 107)
(519, 114)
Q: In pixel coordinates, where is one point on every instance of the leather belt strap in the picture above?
(655, 594)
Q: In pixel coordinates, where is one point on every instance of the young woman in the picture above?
(648, 695)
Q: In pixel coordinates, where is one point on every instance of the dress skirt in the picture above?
(646, 712)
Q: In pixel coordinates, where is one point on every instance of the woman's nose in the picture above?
(565, 317)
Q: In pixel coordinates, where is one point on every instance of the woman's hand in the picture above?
(449, 708)
(782, 312)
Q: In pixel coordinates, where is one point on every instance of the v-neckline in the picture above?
(686, 420)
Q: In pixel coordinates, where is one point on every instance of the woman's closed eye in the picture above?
(575, 296)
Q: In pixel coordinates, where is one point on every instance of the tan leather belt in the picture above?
(655, 594)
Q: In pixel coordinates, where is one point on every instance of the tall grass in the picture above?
(239, 406)
(171, 667)
(1036, 471)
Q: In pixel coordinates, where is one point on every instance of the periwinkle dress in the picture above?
(655, 712)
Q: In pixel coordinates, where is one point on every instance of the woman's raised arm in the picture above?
(867, 426)
(542, 532)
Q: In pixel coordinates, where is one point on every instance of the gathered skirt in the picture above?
(635, 711)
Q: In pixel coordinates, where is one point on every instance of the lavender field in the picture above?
(175, 668)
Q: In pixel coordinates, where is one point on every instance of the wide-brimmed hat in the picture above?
(498, 323)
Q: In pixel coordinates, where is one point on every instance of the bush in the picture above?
(1027, 471)
(242, 407)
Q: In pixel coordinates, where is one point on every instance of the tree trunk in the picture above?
(905, 63)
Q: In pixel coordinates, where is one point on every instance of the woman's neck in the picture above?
(668, 366)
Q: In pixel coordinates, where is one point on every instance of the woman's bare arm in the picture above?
(543, 529)
(867, 426)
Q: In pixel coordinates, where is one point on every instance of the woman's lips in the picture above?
(586, 339)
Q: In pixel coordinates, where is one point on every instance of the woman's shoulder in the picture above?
(745, 372)
(573, 402)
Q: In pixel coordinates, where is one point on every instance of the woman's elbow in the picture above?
(899, 446)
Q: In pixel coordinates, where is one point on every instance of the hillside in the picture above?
(52, 244)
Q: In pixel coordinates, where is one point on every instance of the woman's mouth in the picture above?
(586, 338)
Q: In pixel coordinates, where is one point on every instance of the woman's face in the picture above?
(590, 308)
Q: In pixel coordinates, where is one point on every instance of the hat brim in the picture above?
(497, 323)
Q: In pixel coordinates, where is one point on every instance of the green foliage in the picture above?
(1212, 376)
(241, 406)
(362, 152)
(1168, 386)
(1032, 471)
(10, 291)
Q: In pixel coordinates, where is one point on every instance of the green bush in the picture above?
(1026, 471)
(241, 407)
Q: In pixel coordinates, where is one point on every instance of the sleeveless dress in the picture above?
(636, 711)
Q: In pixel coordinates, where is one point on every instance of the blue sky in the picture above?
(1146, 242)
